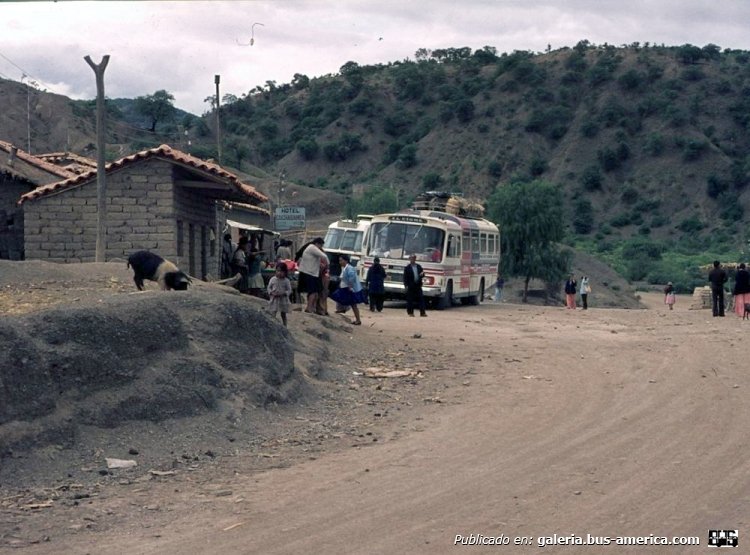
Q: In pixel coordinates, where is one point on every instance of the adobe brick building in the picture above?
(20, 172)
(160, 199)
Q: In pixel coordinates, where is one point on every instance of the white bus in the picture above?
(460, 255)
(345, 237)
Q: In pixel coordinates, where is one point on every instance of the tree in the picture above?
(239, 150)
(530, 218)
(157, 107)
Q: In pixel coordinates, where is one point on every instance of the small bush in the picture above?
(591, 179)
(691, 225)
(308, 149)
(629, 195)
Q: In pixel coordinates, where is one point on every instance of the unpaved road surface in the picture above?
(524, 421)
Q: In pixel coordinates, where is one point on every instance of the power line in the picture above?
(26, 73)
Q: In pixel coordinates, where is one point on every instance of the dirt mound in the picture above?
(146, 356)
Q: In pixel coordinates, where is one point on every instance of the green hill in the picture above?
(648, 142)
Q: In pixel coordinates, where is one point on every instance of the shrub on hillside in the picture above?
(308, 148)
(591, 179)
(583, 216)
(691, 224)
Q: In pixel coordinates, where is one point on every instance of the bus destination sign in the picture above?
(411, 219)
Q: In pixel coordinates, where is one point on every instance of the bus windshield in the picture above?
(400, 240)
(344, 240)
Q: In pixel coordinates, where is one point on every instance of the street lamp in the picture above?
(252, 35)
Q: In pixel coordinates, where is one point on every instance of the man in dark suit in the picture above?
(717, 277)
(413, 275)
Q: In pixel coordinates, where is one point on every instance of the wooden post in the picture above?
(101, 183)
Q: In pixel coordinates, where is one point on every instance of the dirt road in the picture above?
(530, 422)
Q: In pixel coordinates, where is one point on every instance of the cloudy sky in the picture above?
(180, 46)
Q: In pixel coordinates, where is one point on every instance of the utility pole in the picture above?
(217, 78)
(101, 183)
(28, 113)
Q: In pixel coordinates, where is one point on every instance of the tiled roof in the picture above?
(229, 205)
(69, 161)
(32, 160)
(165, 152)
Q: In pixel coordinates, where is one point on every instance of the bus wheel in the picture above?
(446, 300)
(474, 300)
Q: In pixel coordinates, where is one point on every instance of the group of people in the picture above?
(244, 259)
(717, 277)
(572, 287)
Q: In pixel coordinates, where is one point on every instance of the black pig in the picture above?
(147, 265)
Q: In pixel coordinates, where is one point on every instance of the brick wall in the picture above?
(197, 245)
(140, 215)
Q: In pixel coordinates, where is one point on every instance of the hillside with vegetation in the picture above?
(648, 144)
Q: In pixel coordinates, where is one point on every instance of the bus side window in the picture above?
(483, 242)
(466, 242)
(454, 247)
(475, 241)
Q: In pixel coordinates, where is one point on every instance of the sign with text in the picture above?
(290, 217)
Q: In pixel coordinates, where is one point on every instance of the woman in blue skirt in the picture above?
(350, 291)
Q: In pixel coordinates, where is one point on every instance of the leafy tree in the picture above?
(407, 157)
(157, 107)
(377, 200)
(531, 222)
(308, 148)
(238, 150)
(300, 81)
(583, 216)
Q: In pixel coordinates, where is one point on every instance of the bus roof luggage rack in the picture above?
(450, 203)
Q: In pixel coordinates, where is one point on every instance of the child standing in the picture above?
(279, 289)
(669, 298)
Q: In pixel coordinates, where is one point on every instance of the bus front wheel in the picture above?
(447, 299)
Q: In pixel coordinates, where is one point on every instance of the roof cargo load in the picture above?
(451, 203)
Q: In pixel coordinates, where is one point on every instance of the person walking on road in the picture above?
(413, 275)
(669, 298)
(585, 290)
(717, 278)
(570, 292)
(499, 284)
(375, 285)
(741, 290)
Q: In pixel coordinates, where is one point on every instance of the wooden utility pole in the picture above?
(101, 183)
(217, 78)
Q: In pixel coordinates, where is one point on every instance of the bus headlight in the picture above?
(429, 280)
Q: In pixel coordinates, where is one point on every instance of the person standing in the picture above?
(284, 252)
(669, 296)
(325, 284)
(239, 264)
(570, 292)
(499, 284)
(309, 268)
(376, 285)
(741, 290)
(350, 291)
(227, 251)
(585, 290)
(254, 276)
(279, 290)
(413, 275)
(717, 278)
